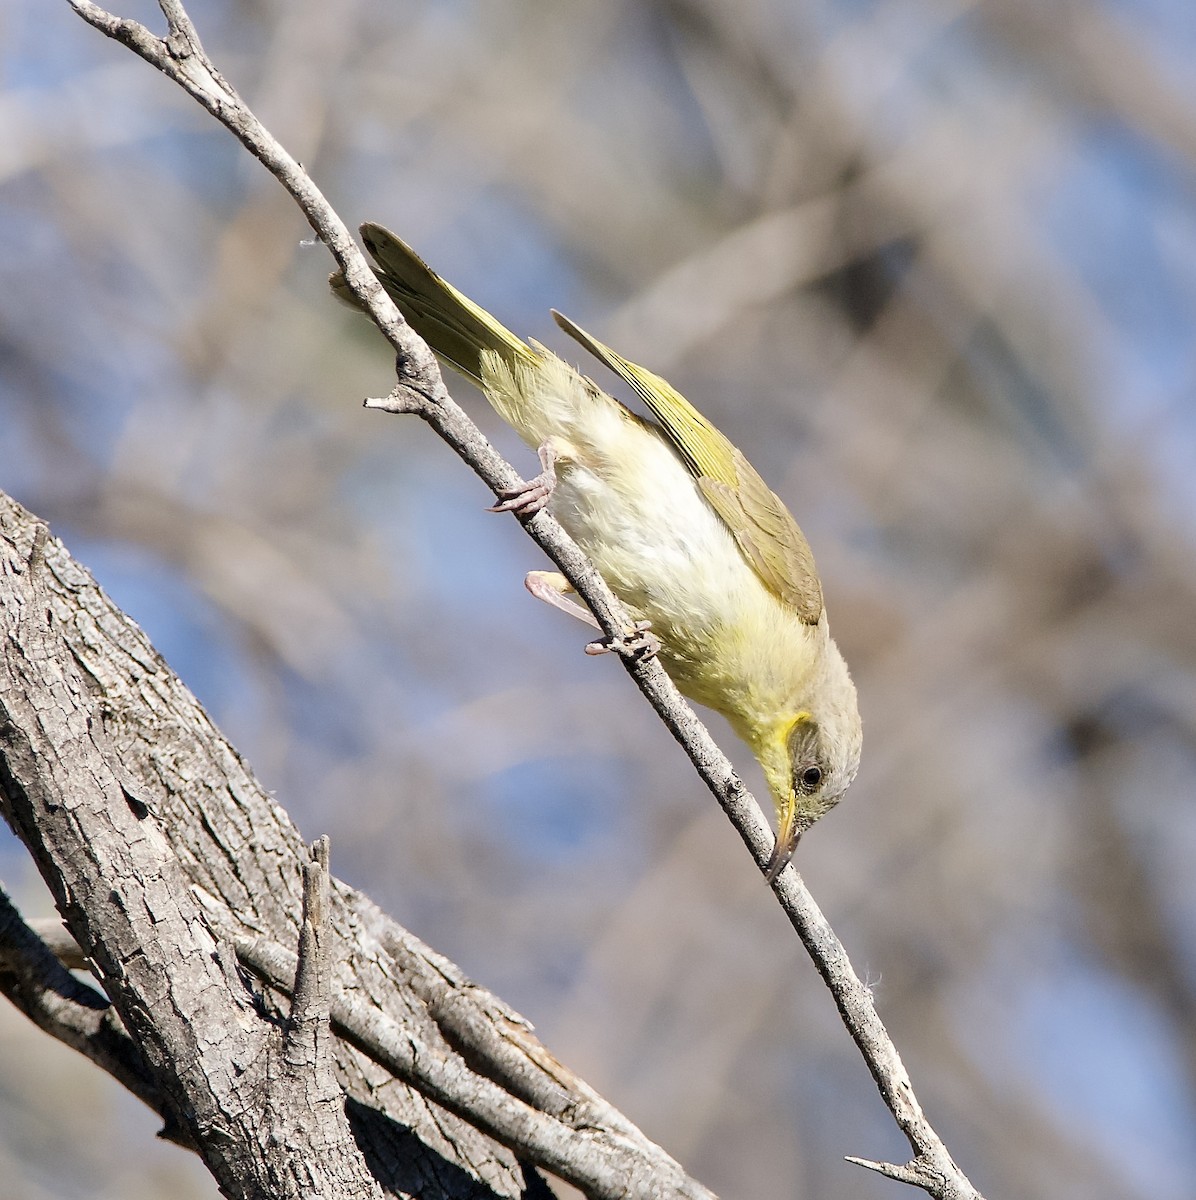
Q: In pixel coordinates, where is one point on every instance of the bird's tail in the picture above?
(457, 329)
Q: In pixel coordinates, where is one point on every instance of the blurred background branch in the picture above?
(949, 252)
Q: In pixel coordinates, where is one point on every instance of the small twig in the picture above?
(420, 389)
(311, 998)
(918, 1174)
(903, 1173)
(37, 552)
(298, 1078)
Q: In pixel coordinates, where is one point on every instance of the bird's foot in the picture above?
(639, 642)
(635, 643)
(530, 496)
(527, 498)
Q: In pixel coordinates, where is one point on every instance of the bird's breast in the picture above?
(638, 513)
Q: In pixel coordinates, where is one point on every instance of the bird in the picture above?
(710, 564)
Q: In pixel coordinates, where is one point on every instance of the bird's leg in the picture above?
(555, 589)
(529, 496)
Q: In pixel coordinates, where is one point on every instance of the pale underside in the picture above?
(638, 511)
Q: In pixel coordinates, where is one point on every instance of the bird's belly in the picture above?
(667, 555)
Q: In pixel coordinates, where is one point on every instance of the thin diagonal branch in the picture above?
(421, 390)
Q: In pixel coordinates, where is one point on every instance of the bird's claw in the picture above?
(637, 643)
(528, 498)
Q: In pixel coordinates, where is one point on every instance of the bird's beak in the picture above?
(788, 835)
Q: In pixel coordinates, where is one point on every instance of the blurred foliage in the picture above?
(932, 264)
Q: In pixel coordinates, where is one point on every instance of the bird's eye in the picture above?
(811, 777)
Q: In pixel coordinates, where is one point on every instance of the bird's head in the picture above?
(810, 755)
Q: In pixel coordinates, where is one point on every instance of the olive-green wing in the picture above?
(456, 328)
(763, 527)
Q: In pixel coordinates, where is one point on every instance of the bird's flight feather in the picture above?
(456, 328)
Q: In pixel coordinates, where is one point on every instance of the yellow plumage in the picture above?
(680, 526)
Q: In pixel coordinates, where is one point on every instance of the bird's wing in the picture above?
(767, 535)
(456, 328)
